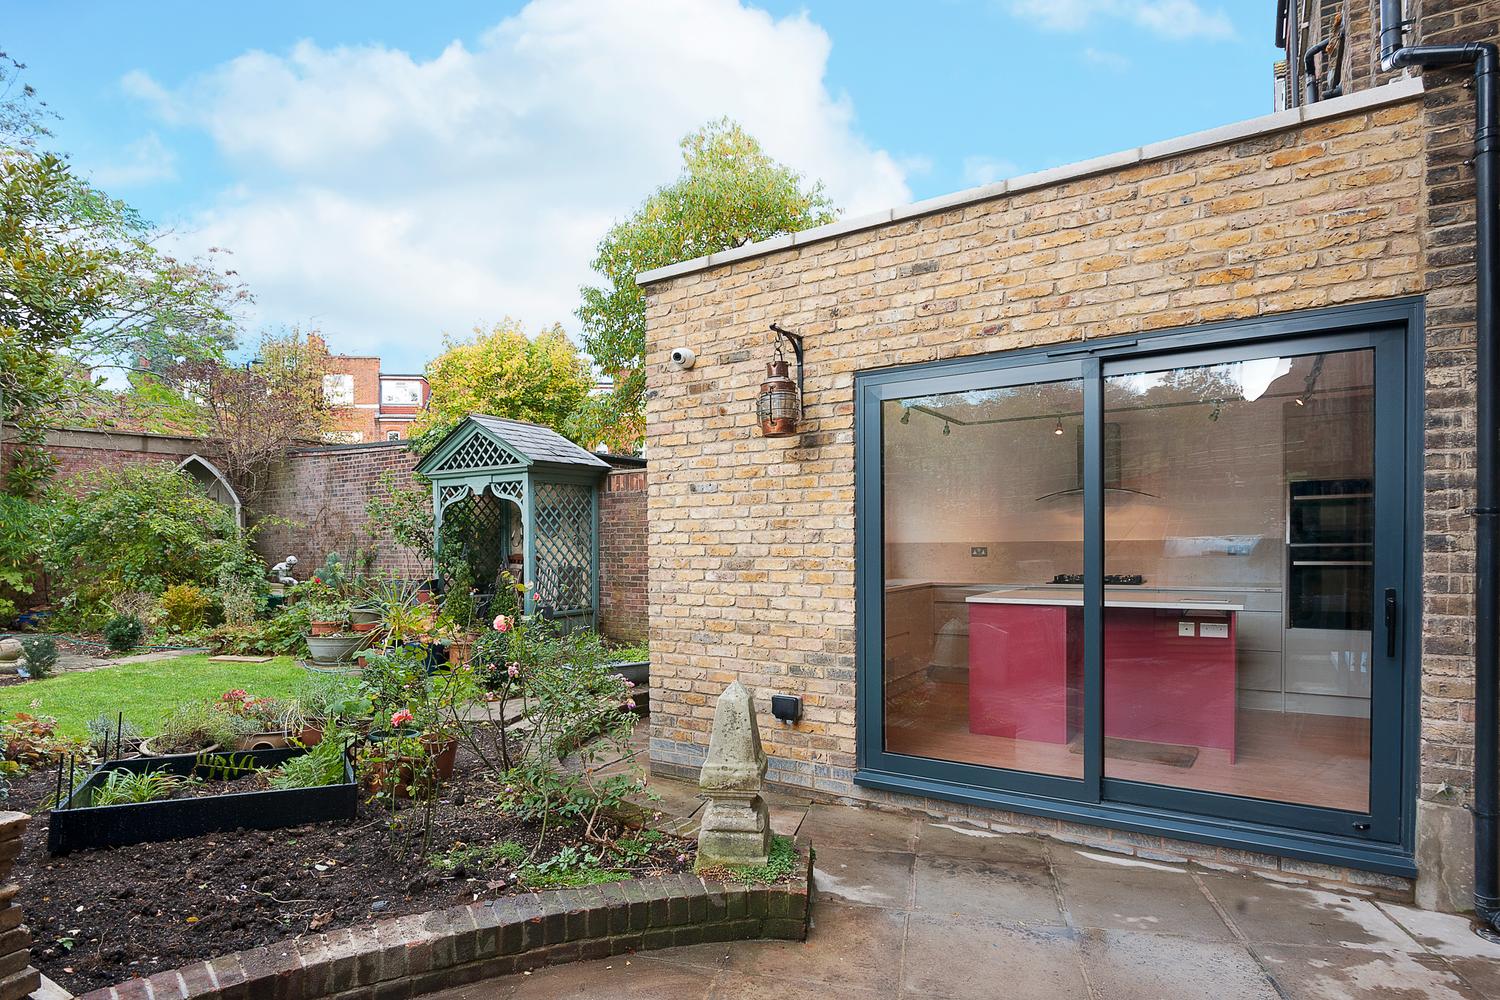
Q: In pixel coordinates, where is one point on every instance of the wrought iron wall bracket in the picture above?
(795, 339)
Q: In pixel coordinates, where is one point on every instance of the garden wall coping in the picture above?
(402, 957)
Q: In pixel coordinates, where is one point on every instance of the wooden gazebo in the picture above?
(510, 479)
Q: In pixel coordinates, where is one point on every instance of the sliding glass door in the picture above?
(1155, 576)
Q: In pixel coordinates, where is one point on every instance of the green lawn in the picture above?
(145, 692)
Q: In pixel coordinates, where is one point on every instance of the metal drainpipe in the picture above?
(1394, 53)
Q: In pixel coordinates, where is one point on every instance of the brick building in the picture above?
(1131, 502)
(372, 405)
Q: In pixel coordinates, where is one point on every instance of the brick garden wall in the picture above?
(752, 539)
(83, 450)
(322, 492)
(622, 556)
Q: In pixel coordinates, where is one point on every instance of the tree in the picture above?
(83, 285)
(504, 373)
(729, 193)
(257, 411)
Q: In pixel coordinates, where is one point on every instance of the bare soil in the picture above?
(101, 917)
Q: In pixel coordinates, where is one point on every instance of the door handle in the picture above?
(1390, 621)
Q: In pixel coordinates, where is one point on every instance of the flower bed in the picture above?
(77, 824)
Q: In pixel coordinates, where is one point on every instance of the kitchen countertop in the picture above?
(1114, 597)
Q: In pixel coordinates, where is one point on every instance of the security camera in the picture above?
(683, 358)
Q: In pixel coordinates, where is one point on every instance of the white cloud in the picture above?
(147, 161)
(1175, 19)
(1105, 59)
(390, 198)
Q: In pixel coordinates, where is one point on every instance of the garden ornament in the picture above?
(736, 827)
(10, 655)
(282, 571)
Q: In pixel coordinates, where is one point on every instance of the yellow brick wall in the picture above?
(752, 540)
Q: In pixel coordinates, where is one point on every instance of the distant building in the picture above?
(373, 405)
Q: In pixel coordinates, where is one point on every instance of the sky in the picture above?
(393, 172)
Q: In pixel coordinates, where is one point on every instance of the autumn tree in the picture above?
(504, 373)
(730, 192)
(259, 410)
(84, 285)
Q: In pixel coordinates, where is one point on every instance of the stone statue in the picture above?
(282, 571)
(736, 827)
(11, 651)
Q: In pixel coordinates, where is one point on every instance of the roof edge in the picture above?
(1390, 93)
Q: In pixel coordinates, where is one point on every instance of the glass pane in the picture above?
(983, 507)
(1238, 530)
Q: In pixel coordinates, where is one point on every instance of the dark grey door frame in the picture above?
(1381, 840)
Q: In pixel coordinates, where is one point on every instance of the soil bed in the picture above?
(101, 917)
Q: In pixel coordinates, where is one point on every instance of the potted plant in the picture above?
(327, 615)
(196, 727)
(266, 719)
(456, 622)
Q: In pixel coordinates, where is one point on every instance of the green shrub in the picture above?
(123, 632)
(184, 608)
(111, 733)
(18, 551)
(143, 529)
(322, 765)
(41, 655)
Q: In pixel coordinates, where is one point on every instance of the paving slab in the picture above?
(969, 958)
(855, 946)
(1362, 974)
(860, 829)
(627, 977)
(1129, 965)
(1139, 900)
(865, 878)
(1021, 894)
(960, 840)
(1266, 911)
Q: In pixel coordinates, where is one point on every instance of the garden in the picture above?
(451, 746)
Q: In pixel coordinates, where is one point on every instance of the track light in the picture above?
(1058, 430)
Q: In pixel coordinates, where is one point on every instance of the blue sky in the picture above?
(390, 172)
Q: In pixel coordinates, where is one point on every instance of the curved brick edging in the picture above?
(408, 956)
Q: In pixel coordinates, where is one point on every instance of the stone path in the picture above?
(909, 907)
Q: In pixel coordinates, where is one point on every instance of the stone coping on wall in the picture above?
(408, 956)
(1390, 93)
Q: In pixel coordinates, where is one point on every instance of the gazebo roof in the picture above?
(482, 442)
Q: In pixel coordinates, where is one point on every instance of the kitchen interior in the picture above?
(1238, 530)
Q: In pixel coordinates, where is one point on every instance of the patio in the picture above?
(913, 907)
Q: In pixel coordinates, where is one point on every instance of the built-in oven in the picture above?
(1330, 525)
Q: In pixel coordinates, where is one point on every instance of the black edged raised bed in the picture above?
(75, 825)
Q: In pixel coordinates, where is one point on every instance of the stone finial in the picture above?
(736, 827)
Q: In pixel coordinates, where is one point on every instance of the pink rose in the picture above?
(502, 623)
(401, 718)
(514, 669)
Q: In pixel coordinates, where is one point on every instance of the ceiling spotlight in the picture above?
(1059, 428)
(947, 428)
(1300, 401)
(906, 416)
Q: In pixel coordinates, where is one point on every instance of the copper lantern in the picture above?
(778, 406)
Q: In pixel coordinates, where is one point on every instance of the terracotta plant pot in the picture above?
(323, 628)
(460, 650)
(363, 627)
(311, 734)
(444, 755)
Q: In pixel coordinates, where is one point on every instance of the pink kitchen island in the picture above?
(1169, 666)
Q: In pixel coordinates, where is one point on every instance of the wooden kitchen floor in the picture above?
(1318, 760)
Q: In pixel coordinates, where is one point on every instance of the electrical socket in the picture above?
(1186, 630)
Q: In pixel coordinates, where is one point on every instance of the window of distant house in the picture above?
(338, 390)
(401, 392)
(393, 435)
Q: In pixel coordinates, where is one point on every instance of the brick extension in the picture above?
(408, 956)
(1366, 198)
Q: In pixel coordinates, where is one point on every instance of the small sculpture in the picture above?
(282, 571)
(736, 827)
